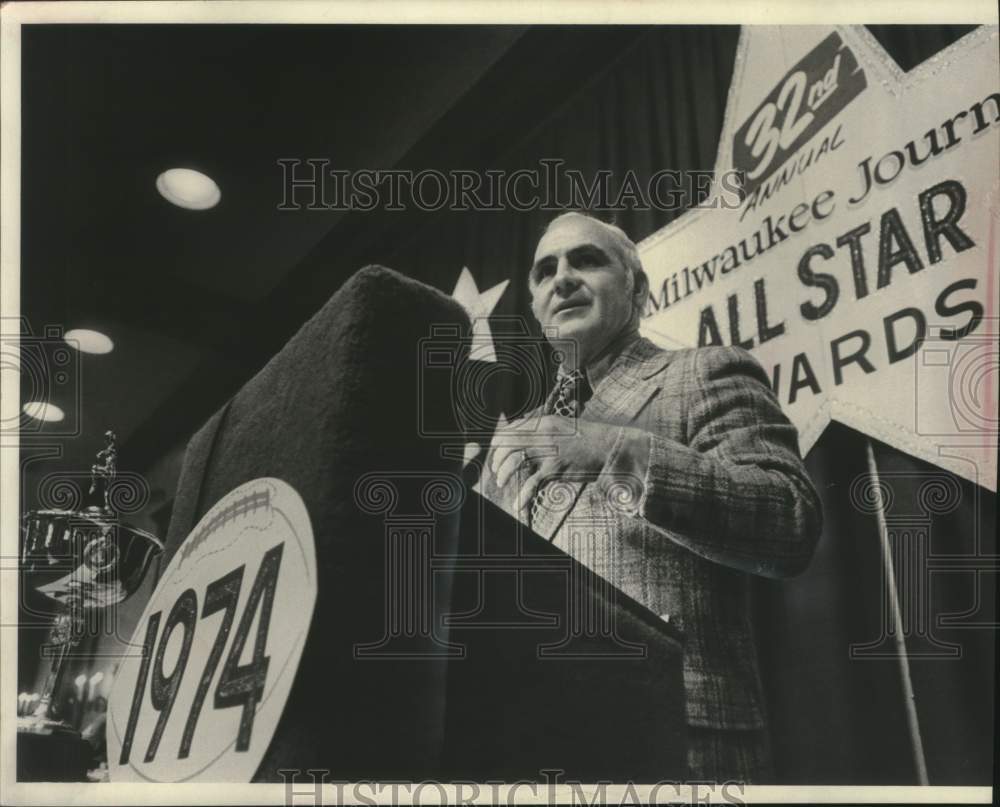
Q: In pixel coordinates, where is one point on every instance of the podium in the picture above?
(447, 641)
(560, 669)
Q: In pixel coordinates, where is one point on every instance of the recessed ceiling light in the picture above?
(88, 341)
(188, 188)
(39, 410)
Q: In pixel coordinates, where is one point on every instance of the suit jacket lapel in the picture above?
(631, 381)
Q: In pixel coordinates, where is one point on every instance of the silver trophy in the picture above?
(84, 560)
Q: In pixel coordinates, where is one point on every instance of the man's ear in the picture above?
(641, 290)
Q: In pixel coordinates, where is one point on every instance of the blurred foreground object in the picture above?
(83, 560)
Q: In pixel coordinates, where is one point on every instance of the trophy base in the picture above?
(44, 725)
(51, 751)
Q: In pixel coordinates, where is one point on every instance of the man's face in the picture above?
(579, 286)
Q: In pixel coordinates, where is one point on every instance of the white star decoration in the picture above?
(479, 306)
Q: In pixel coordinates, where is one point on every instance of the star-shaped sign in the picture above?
(479, 305)
(859, 265)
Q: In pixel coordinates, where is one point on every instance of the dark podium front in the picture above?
(561, 670)
(448, 641)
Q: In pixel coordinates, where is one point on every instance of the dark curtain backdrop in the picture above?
(657, 105)
(658, 102)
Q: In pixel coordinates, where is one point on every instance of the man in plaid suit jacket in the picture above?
(680, 478)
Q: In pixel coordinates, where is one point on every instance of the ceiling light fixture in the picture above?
(39, 410)
(88, 341)
(188, 188)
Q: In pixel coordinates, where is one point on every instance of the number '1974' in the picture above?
(239, 684)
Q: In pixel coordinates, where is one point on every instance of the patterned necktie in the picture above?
(572, 394)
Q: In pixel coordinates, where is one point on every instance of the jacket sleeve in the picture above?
(737, 493)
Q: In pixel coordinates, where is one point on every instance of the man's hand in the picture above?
(548, 446)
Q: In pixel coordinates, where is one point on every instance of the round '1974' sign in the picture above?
(213, 657)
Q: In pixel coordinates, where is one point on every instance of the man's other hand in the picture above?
(541, 448)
